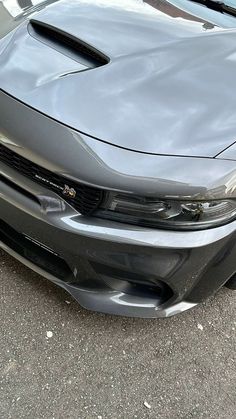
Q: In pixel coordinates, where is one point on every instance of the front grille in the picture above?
(85, 199)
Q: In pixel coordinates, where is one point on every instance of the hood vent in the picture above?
(67, 44)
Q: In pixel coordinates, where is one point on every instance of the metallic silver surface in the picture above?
(185, 261)
(80, 157)
(161, 93)
(151, 122)
(162, 259)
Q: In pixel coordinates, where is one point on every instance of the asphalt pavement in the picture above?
(58, 360)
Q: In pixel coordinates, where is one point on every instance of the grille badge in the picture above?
(70, 192)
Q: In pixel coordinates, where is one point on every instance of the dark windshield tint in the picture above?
(222, 13)
(172, 10)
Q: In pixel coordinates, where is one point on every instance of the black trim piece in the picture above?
(67, 44)
(34, 252)
(19, 189)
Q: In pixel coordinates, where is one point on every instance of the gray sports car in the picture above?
(117, 149)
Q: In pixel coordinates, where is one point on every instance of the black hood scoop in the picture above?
(166, 90)
(67, 44)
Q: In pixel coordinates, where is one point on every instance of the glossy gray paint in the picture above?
(229, 153)
(192, 264)
(161, 93)
(79, 157)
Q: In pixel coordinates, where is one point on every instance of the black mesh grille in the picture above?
(86, 200)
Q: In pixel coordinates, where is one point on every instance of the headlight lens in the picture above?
(153, 212)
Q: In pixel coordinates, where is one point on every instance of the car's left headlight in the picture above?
(169, 214)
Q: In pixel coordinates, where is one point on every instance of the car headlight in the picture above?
(169, 214)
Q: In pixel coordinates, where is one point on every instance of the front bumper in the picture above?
(111, 267)
(107, 266)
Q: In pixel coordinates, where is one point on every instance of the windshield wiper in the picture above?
(218, 6)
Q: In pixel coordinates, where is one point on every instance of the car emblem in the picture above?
(69, 192)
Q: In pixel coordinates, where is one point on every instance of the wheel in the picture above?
(231, 283)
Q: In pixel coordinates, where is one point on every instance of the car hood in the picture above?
(166, 85)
